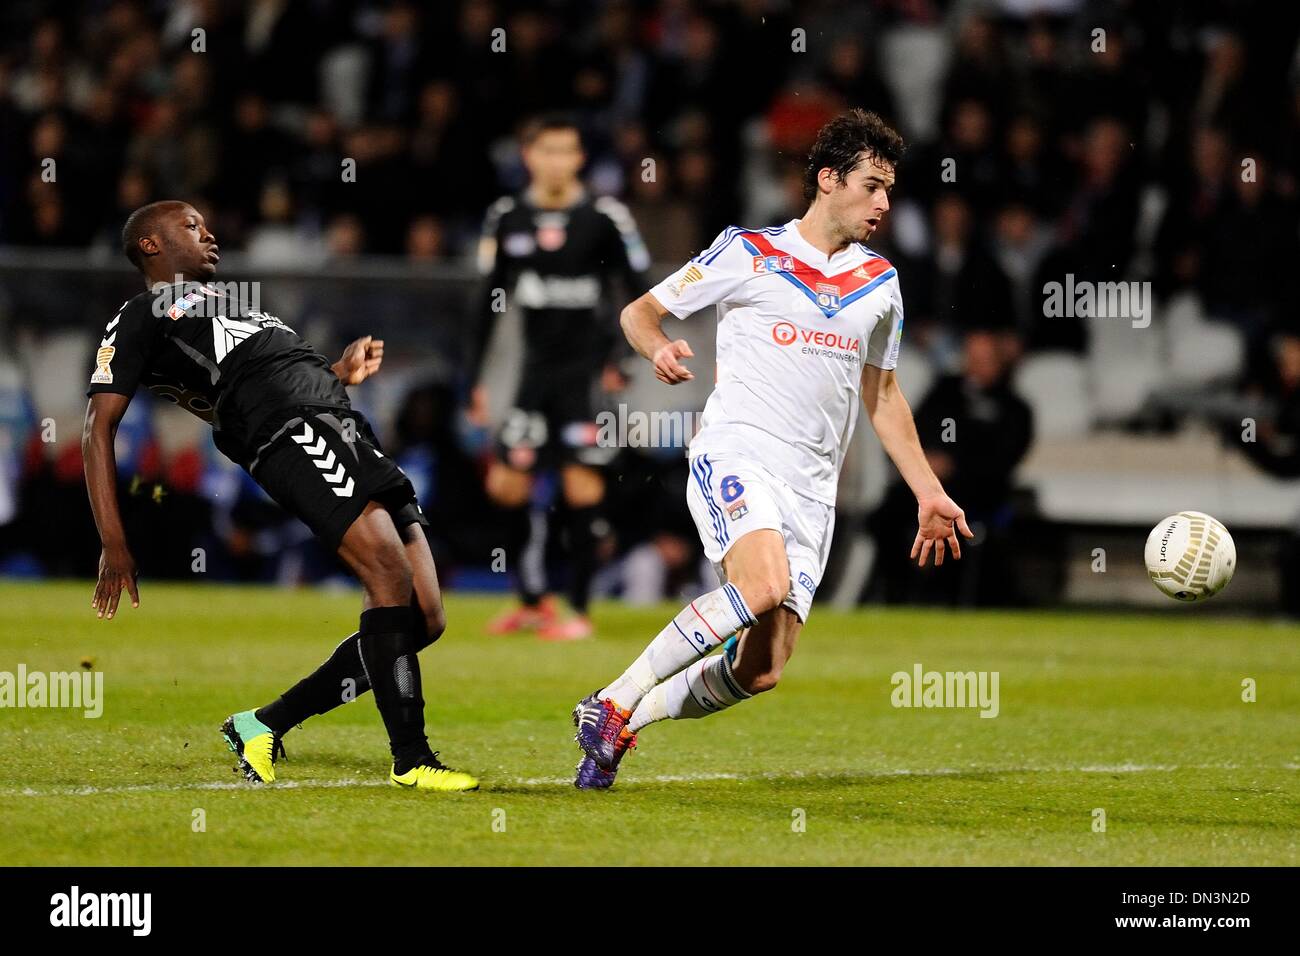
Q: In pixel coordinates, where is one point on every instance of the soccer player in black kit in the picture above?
(279, 409)
(552, 249)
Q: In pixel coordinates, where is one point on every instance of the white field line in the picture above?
(551, 782)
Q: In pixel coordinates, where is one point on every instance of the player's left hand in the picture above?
(360, 360)
(938, 519)
(117, 573)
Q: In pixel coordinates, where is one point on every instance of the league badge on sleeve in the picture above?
(103, 374)
(684, 277)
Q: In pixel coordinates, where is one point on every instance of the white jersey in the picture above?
(794, 329)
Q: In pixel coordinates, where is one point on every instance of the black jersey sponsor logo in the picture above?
(533, 291)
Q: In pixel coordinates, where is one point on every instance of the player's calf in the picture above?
(435, 623)
(760, 657)
(390, 634)
(707, 687)
(760, 683)
(763, 593)
(696, 630)
(749, 664)
(342, 677)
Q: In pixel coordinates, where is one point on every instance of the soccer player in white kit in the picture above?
(809, 322)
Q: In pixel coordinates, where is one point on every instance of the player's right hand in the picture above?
(117, 571)
(938, 521)
(667, 367)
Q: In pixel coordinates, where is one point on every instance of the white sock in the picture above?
(700, 627)
(704, 688)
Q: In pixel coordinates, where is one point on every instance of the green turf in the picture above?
(1139, 715)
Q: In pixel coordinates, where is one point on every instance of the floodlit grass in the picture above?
(1140, 716)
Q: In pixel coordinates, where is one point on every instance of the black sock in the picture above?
(340, 679)
(388, 651)
(584, 527)
(527, 553)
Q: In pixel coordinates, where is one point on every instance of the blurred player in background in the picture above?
(551, 252)
(280, 410)
(809, 322)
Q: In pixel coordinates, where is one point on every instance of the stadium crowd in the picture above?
(1119, 140)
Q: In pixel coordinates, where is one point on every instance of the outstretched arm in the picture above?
(116, 566)
(642, 322)
(938, 517)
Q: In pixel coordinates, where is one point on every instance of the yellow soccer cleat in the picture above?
(256, 744)
(431, 774)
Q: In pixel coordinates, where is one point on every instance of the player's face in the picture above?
(554, 159)
(191, 248)
(859, 203)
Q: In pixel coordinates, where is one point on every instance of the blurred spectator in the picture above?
(345, 237)
(1276, 447)
(849, 75)
(1034, 111)
(1099, 217)
(1041, 153)
(276, 241)
(978, 71)
(1028, 172)
(975, 430)
(1018, 246)
(1276, 444)
(959, 286)
(425, 240)
(1196, 203)
(670, 226)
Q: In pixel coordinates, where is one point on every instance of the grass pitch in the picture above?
(1139, 716)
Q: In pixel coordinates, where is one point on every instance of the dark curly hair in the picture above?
(841, 143)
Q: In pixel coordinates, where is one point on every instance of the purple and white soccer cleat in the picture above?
(600, 724)
(591, 777)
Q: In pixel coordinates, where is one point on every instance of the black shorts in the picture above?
(552, 424)
(325, 465)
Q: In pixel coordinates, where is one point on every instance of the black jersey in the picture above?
(212, 355)
(554, 265)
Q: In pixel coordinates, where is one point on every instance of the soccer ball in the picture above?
(1190, 556)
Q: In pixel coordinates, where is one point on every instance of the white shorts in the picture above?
(730, 496)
